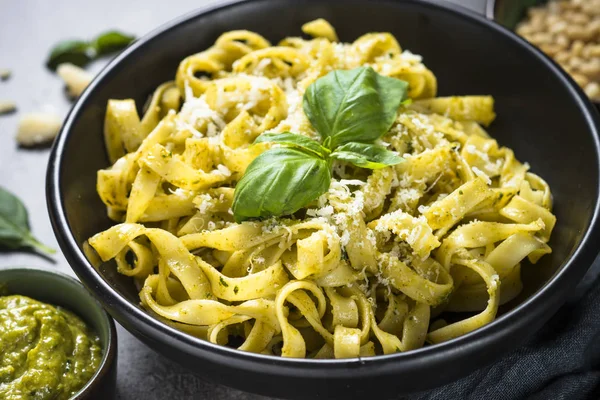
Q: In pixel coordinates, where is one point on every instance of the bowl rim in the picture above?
(536, 306)
(110, 347)
(490, 10)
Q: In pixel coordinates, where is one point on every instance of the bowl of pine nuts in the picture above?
(568, 31)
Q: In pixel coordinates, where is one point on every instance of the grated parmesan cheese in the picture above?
(471, 149)
(345, 238)
(271, 225)
(195, 110)
(495, 279)
(482, 174)
(181, 192)
(411, 57)
(352, 182)
(262, 64)
(204, 203)
(424, 127)
(223, 170)
(357, 204)
(326, 211)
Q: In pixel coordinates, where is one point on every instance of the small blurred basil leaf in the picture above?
(111, 41)
(71, 51)
(80, 52)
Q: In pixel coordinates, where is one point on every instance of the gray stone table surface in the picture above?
(28, 29)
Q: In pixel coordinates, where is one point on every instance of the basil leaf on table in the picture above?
(366, 155)
(294, 140)
(14, 224)
(111, 41)
(280, 182)
(358, 105)
(71, 51)
(80, 52)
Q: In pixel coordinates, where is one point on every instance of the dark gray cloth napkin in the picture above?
(562, 360)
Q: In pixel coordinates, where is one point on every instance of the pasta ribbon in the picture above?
(377, 264)
(456, 329)
(320, 28)
(470, 108)
(413, 284)
(443, 214)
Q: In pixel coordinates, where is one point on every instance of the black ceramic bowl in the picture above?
(509, 12)
(541, 115)
(61, 290)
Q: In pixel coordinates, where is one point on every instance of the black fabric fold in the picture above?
(561, 361)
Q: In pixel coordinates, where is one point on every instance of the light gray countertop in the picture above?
(28, 29)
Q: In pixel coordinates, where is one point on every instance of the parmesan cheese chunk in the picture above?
(74, 77)
(5, 73)
(482, 175)
(7, 106)
(38, 128)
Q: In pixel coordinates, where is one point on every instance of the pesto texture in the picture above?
(46, 352)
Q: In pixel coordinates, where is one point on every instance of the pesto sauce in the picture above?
(46, 352)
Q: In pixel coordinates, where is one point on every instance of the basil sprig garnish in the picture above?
(14, 224)
(366, 155)
(353, 106)
(350, 110)
(80, 52)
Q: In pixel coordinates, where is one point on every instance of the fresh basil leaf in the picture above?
(366, 155)
(112, 41)
(70, 51)
(358, 105)
(279, 182)
(294, 140)
(80, 53)
(14, 224)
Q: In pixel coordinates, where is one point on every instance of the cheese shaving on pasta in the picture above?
(368, 267)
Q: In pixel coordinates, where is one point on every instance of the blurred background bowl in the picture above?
(509, 13)
(536, 103)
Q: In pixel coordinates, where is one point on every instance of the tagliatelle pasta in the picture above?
(373, 265)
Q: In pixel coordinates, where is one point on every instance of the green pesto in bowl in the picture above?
(68, 346)
(47, 352)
